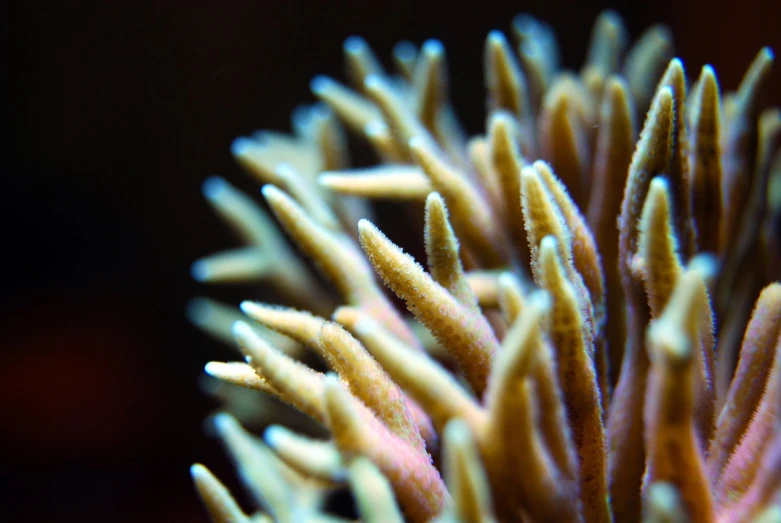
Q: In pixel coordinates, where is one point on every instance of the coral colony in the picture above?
(596, 335)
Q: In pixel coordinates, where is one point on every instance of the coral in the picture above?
(554, 367)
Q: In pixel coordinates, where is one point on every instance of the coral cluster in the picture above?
(582, 346)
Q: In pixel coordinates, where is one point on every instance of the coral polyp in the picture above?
(595, 336)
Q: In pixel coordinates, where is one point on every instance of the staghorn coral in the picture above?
(555, 367)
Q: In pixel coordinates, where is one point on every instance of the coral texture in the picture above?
(582, 344)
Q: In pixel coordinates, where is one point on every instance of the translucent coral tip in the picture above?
(223, 422)
(198, 471)
(404, 51)
(272, 193)
(708, 70)
(272, 435)
(433, 47)
(665, 91)
(354, 44)
(212, 368)
(250, 308)
(213, 187)
(245, 306)
(321, 111)
(199, 271)
(523, 20)
(197, 310)
(415, 142)
(320, 84)
(241, 146)
(331, 378)
(611, 14)
(659, 184)
(242, 331)
(496, 37)
(706, 264)
(540, 298)
(375, 128)
(302, 116)
(365, 225)
(284, 170)
(372, 82)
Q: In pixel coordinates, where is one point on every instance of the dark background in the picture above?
(115, 113)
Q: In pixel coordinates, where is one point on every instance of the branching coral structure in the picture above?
(596, 335)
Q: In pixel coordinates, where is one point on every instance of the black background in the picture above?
(115, 113)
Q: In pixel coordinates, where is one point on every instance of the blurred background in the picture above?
(115, 114)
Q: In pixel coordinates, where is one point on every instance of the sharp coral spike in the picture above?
(417, 484)
(258, 469)
(563, 139)
(521, 469)
(612, 155)
(625, 424)
(296, 384)
(465, 476)
(360, 61)
(465, 334)
(405, 55)
(479, 151)
(585, 274)
(426, 381)
(299, 325)
(431, 80)
(657, 260)
(268, 256)
(506, 86)
(369, 382)
(578, 380)
(651, 158)
(392, 183)
(539, 55)
(236, 265)
(217, 319)
(313, 458)
(352, 108)
(307, 195)
(705, 162)
(551, 404)
(765, 486)
(328, 134)
(750, 379)
(374, 496)
(740, 139)
(261, 153)
(240, 374)
(471, 217)
(508, 163)
(442, 253)
(608, 41)
(645, 64)
(678, 170)
(404, 126)
(673, 450)
(548, 211)
(219, 503)
(744, 469)
(740, 280)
